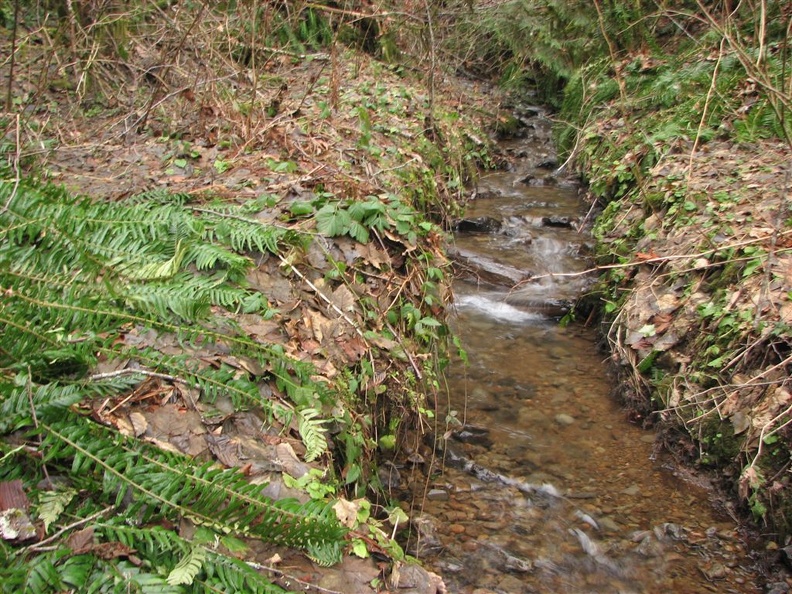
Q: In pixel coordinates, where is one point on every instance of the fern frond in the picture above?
(312, 432)
(210, 495)
(85, 281)
(219, 572)
(188, 567)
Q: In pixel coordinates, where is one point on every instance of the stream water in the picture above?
(546, 486)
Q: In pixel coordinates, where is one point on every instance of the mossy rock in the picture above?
(507, 126)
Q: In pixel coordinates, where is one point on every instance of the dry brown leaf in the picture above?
(81, 541)
(226, 450)
(347, 511)
(12, 495)
(353, 348)
(773, 403)
(317, 323)
(661, 322)
(123, 425)
(139, 423)
(749, 480)
(343, 299)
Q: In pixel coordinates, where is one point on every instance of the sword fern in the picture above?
(76, 276)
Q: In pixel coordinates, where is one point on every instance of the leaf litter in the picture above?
(199, 143)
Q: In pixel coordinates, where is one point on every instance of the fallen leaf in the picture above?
(139, 423)
(643, 256)
(661, 322)
(13, 496)
(749, 480)
(15, 526)
(343, 299)
(354, 348)
(346, 512)
(81, 541)
(224, 448)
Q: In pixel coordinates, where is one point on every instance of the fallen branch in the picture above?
(658, 260)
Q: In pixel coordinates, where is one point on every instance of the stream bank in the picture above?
(693, 246)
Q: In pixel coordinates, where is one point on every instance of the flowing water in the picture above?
(547, 487)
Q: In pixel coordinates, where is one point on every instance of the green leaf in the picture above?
(397, 516)
(359, 548)
(300, 208)
(647, 330)
(332, 221)
(358, 232)
(387, 442)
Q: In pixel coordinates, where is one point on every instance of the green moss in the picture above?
(719, 445)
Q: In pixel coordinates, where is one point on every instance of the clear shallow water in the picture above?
(588, 508)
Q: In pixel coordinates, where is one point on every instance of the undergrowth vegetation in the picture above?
(280, 297)
(189, 371)
(685, 141)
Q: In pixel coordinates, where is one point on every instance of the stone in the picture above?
(632, 490)
(437, 495)
(558, 221)
(564, 419)
(478, 225)
(414, 579)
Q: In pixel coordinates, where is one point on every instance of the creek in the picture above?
(546, 486)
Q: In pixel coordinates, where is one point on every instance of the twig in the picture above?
(705, 111)
(656, 260)
(763, 435)
(400, 166)
(17, 174)
(288, 578)
(324, 297)
(172, 55)
(128, 371)
(38, 545)
(13, 56)
(396, 335)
